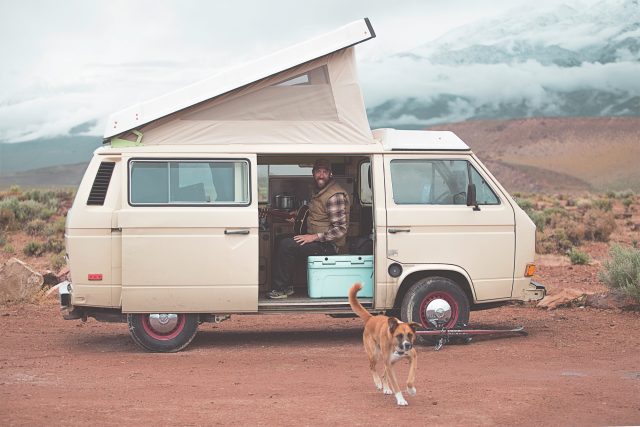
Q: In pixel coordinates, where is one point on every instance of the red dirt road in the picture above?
(576, 367)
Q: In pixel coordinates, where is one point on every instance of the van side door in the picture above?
(190, 234)
(428, 221)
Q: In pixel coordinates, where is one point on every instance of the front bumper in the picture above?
(535, 292)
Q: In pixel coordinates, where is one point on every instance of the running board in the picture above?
(324, 305)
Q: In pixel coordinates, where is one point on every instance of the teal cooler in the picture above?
(332, 276)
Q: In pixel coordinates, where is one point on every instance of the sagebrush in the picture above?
(622, 272)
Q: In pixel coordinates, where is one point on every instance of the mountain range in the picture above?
(557, 61)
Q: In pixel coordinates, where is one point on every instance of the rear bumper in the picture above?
(68, 311)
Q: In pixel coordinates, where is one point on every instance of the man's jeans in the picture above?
(289, 252)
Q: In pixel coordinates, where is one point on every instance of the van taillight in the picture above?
(94, 276)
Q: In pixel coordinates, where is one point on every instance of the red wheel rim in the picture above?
(455, 311)
(163, 336)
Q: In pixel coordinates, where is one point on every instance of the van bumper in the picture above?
(68, 311)
(535, 291)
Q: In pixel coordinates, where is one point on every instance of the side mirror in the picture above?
(471, 197)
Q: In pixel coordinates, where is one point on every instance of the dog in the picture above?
(387, 339)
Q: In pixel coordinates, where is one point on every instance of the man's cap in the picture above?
(322, 163)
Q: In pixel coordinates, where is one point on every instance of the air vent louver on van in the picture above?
(101, 184)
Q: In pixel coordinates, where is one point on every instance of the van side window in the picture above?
(437, 182)
(189, 182)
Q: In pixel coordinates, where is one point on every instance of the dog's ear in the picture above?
(414, 326)
(393, 324)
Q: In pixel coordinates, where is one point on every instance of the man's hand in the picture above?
(303, 239)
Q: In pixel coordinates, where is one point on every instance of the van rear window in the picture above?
(189, 182)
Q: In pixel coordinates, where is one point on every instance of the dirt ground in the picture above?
(577, 366)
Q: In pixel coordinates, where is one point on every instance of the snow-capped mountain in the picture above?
(565, 60)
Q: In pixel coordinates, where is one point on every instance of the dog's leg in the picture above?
(413, 366)
(374, 356)
(391, 375)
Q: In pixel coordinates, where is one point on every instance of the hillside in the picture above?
(557, 154)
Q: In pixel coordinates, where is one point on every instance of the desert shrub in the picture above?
(611, 194)
(584, 204)
(628, 193)
(14, 190)
(599, 225)
(33, 249)
(622, 272)
(577, 257)
(8, 248)
(538, 218)
(36, 227)
(7, 218)
(627, 202)
(54, 245)
(571, 202)
(525, 204)
(58, 261)
(603, 204)
(572, 229)
(24, 211)
(3, 239)
(553, 241)
(56, 227)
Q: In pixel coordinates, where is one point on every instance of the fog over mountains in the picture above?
(559, 61)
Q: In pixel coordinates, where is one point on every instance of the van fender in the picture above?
(411, 273)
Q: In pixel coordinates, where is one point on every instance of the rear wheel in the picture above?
(435, 302)
(162, 332)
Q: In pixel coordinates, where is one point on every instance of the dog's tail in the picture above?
(355, 304)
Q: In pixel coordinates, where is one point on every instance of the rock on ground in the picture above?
(18, 281)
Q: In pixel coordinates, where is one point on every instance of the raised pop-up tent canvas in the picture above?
(305, 94)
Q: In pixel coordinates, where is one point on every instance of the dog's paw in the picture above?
(378, 384)
(400, 399)
(411, 391)
(387, 390)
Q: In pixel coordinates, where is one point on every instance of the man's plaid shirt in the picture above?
(337, 212)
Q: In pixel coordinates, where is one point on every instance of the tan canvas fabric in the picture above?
(316, 102)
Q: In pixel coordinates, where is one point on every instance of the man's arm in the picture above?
(337, 212)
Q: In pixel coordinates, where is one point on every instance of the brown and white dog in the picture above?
(387, 339)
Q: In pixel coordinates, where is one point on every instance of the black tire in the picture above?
(426, 290)
(162, 333)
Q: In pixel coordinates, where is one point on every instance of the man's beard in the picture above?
(325, 182)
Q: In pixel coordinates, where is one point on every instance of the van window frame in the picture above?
(469, 166)
(190, 159)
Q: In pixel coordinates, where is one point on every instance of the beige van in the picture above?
(175, 222)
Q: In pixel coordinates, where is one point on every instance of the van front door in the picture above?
(428, 221)
(190, 235)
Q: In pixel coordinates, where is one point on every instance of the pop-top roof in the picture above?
(331, 79)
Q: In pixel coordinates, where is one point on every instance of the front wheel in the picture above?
(435, 302)
(162, 332)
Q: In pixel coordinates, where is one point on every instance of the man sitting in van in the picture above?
(327, 224)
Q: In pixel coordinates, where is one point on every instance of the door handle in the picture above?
(236, 231)
(399, 230)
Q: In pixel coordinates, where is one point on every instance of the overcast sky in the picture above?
(69, 62)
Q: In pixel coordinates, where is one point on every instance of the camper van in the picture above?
(178, 218)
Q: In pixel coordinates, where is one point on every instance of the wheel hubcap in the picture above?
(163, 323)
(438, 312)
